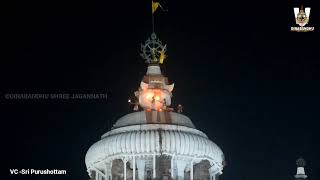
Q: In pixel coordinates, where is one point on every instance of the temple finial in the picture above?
(301, 163)
(153, 51)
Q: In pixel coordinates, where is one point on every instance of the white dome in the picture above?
(133, 136)
(144, 140)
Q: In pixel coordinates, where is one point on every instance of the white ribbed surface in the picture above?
(149, 138)
(140, 118)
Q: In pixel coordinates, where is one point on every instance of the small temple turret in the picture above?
(301, 175)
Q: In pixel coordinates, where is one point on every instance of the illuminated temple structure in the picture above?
(155, 141)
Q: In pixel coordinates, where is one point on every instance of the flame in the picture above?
(157, 98)
(149, 95)
(152, 98)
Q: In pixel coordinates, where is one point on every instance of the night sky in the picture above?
(243, 78)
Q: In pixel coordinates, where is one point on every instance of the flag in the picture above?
(155, 6)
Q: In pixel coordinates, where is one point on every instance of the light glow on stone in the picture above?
(157, 98)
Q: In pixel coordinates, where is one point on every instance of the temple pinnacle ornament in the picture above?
(153, 51)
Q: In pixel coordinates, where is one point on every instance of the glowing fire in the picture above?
(149, 95)
(153, 99)
(157, 98)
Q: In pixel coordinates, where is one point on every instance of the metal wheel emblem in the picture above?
(152, 49)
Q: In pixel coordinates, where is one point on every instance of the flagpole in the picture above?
(152, 21)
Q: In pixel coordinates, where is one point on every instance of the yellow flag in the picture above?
(162, 56)
(155, 6)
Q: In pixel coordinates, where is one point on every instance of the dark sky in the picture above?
(244, 79)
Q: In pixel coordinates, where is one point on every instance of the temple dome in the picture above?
(138, 118)
(133, 136)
